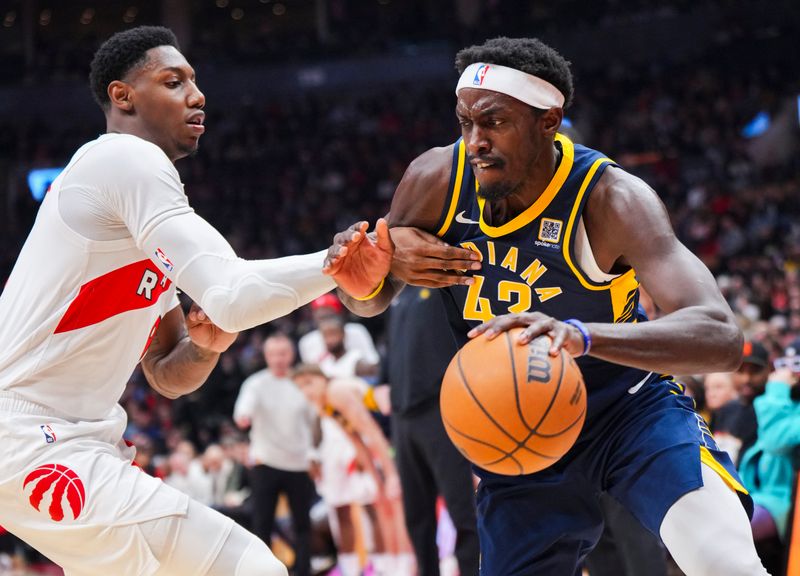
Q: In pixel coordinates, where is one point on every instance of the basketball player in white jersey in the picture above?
(93, 293)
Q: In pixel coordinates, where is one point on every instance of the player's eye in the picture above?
(172, 83)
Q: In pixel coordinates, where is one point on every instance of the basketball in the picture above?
(512, 409)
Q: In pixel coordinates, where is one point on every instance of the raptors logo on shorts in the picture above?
(61, 484)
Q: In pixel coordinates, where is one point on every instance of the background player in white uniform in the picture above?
(93, 293)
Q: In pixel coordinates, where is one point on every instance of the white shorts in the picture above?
(342, 483)
(69, 489)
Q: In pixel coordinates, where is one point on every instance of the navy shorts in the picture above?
(645, 450)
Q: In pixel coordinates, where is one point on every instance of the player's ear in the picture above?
(121, 95)
(551, 120)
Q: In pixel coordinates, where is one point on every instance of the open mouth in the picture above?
(486, 164)
(195, 123)
(196, 127)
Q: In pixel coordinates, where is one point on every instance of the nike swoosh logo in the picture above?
(461, 219)
(635, 388)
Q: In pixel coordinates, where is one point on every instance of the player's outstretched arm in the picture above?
(183, 352)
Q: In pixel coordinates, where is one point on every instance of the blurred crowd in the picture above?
(228, 32)
(282, 176)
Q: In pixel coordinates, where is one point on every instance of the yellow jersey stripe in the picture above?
(708, 459)
(535, 209)
(622, 295)
(451, 211)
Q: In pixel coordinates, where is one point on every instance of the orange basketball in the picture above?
(512, 409)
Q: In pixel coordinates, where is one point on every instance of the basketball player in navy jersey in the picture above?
(560, 238)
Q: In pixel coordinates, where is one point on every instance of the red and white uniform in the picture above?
(113, 237)
(78, 313)
(77, 316)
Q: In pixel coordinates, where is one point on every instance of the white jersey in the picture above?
(78, 314)
(311, 346)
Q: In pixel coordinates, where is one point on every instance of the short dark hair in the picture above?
(123, 52)
(529, 55)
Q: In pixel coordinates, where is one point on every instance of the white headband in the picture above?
(524, 87)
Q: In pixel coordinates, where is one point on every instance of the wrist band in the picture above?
(372, 294)
(587, 338)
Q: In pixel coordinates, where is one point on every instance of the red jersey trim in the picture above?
(132, 287)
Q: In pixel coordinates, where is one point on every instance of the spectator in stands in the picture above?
(768, 467)
(282, 428)
(735, 423)
(312, 346)
(719, 390)
(236, 501)
(218, 468)
(339, 361)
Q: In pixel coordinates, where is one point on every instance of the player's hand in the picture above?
(205, 334)
(358, 262)
(423, 259)
(535, 324)
(784, 375)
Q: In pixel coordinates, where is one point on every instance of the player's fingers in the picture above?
(558, 335)
(440, 280)
(493, 327)
(196, 315)
(535, 329)
(333, 259)
(530, 321)
(459, 264)
(447, 252)
(383, 239)
(353, 234)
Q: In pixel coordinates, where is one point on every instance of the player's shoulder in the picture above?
(346, 391)
(119, 157)
(618, 189)
(421, 194)
(432, 166)
(115, 143)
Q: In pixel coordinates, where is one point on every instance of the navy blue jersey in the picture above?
(530, 263)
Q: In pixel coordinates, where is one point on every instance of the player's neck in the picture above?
(542, 172)
(117, 124)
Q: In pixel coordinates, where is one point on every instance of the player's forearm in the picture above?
(183, 370)
(236, 294)
(692, 340)
(375, 305)
(376, 443)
